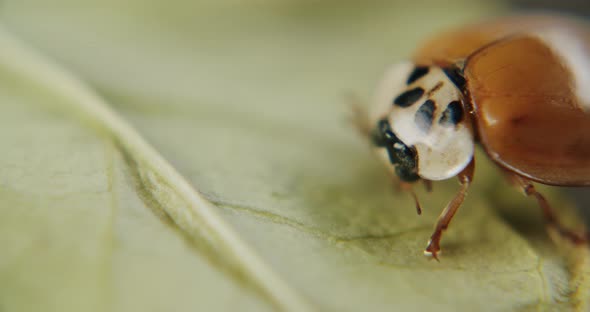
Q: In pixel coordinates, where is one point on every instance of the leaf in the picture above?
(253, 193)
(99, 197)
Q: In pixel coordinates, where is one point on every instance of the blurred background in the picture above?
(579, 7)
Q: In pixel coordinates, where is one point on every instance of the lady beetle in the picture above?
(518, 86)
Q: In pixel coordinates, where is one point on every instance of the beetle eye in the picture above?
(382, 135)
(399, 154)
(393, 159)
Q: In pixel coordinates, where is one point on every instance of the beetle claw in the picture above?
(433, 248)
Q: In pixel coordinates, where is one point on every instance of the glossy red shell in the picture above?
(528, 113)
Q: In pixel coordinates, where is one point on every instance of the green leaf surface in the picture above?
(184, 156)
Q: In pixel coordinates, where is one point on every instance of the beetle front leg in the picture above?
(407, 187)
(465, 178)
(549, 215)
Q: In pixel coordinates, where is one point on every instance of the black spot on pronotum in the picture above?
(452, 115)
(424, 115)
(409, 97)
(455, 76)
(418, 73)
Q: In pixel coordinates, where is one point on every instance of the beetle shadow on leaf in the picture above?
(582, 198)
(359, 202)
(361, 207)
(524, 215)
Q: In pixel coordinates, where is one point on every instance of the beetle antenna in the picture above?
(359, 116)
(418, 207)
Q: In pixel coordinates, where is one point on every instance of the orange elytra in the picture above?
(518, 86)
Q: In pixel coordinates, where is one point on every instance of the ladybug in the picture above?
(519, 86)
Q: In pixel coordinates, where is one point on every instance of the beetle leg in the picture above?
(427, 185)
(465, 178)
(548, 214)
(408, 188)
